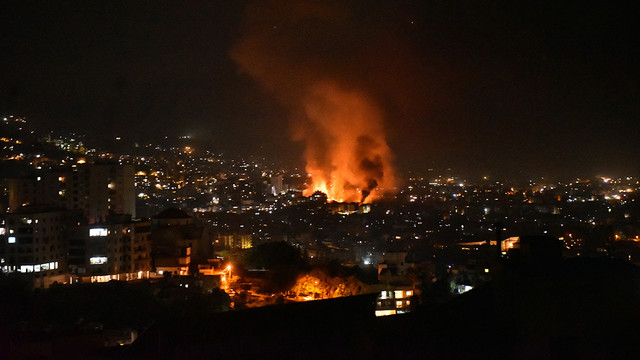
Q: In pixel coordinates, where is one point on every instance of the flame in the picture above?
(292, 49)
(347, 156)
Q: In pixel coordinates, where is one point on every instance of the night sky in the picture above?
(506, 88)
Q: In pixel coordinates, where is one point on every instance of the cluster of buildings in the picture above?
(72, 211)
(79, 224)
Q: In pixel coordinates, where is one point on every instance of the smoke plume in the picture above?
(309, 55)
(346, 152)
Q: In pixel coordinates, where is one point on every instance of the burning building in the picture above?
(346, 153)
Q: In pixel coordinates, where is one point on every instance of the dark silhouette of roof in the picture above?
(172, 213)
(584, 308)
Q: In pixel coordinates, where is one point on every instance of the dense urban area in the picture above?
(99, 242)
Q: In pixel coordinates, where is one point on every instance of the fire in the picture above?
(341, 127)
(346, 153)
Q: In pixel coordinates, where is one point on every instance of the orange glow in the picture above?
(346, 152)
(510, 243)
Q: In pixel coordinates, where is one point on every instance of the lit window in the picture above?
(398, 294)
(98, 260)
(399, 304)
(98, 232)
(385, 312)
(26, 268)
(11, 239)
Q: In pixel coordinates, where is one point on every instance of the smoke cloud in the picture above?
(331, 69)
(346, 152)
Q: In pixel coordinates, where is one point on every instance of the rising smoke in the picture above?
(323, 69)
(346, 152)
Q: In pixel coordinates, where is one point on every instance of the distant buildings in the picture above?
(75, 225)
(532, 248)
(393, 267)
(97, 190)
(277, 186)
(34, 190)
(235, 241)
(233, 204)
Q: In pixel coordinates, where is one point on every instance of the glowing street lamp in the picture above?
(228, 276)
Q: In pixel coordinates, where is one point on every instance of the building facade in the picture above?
(97, 190)
(33, 241)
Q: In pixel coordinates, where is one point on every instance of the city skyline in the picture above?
(511, 90)
(107, 252)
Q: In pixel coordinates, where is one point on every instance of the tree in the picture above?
(318, 284)
(283, 262)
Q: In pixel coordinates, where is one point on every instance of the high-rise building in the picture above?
(40, 190)
(32, 241)
(101, 189)
(98, 190)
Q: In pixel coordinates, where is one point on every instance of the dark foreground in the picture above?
(588, 309)
(581, 308)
